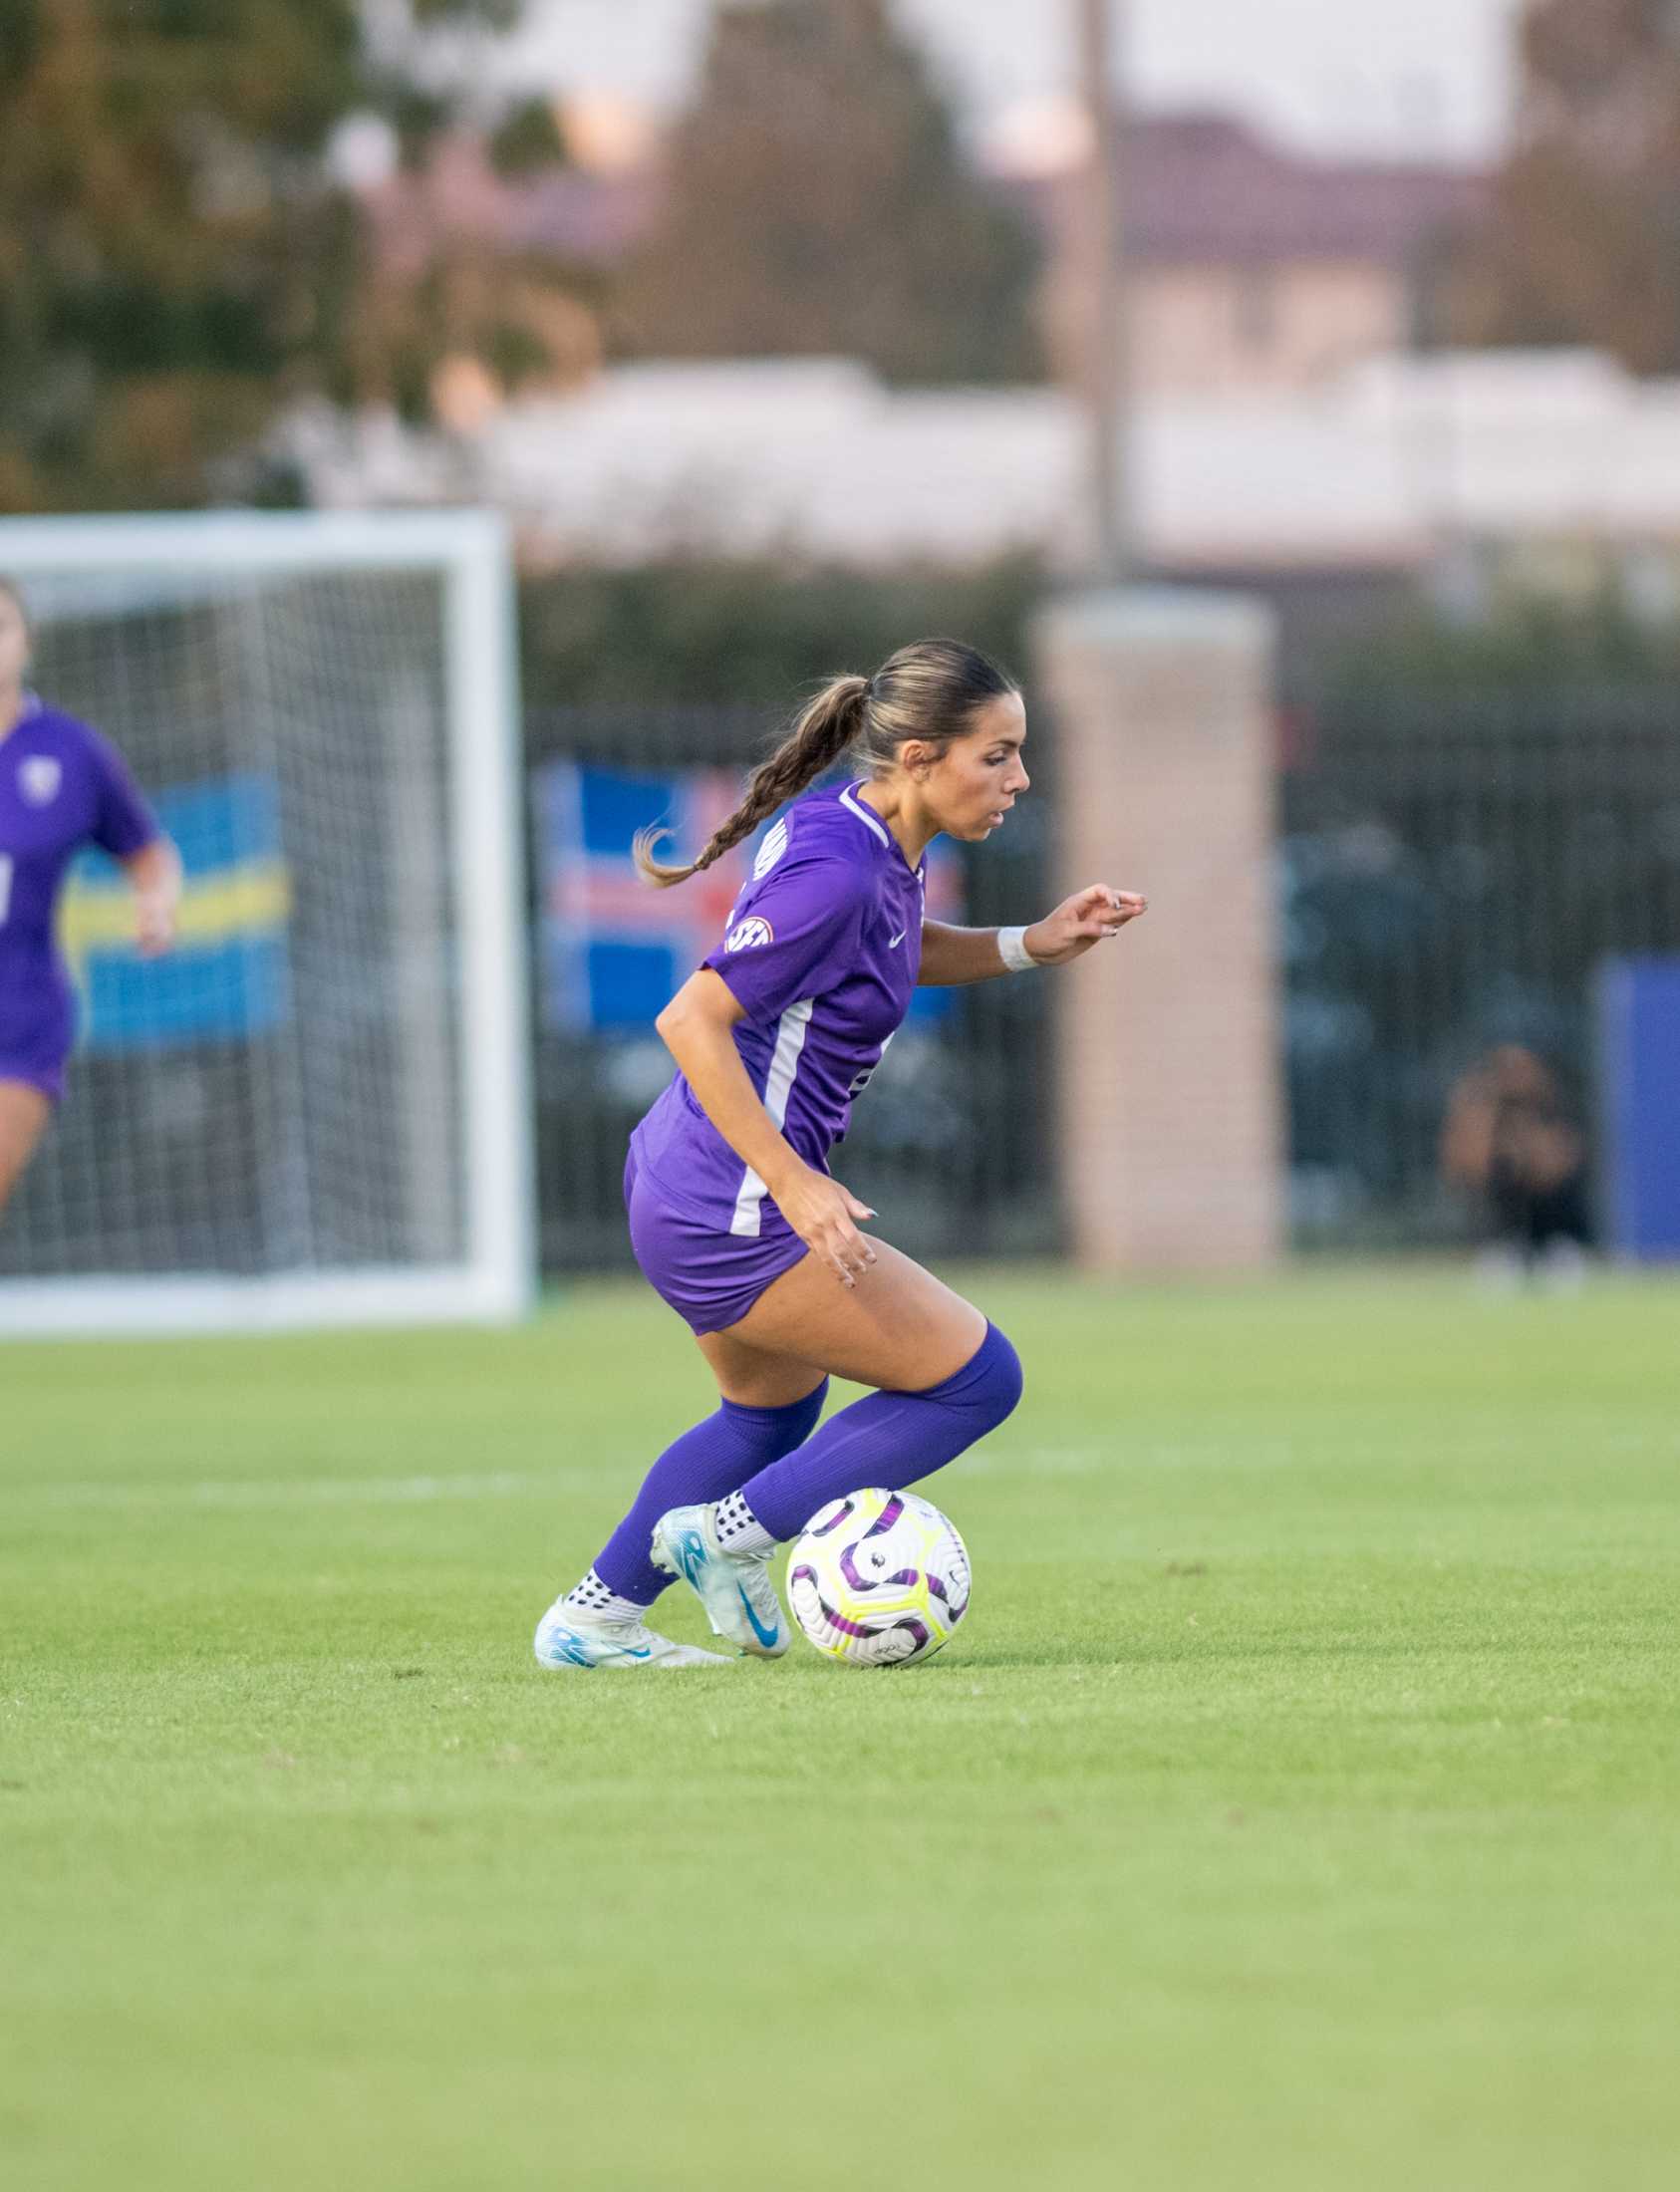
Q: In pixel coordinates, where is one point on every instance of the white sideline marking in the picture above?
(1038, 1460)
(304, 1491)
(281, 1492)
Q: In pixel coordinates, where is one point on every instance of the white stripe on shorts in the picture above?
(779, 1086)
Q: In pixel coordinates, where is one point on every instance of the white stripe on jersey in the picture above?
(778, 1087)
(863, 814)
(774, 845)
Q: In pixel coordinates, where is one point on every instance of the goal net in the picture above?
(317, 1107)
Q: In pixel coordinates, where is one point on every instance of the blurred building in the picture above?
(586, 215)
(1466, 461)
(1252, 267)
(1249, 266)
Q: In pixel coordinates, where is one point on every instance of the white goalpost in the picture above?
(317, 1109)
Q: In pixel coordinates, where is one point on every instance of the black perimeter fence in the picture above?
(1451, 875)
(1454, 871)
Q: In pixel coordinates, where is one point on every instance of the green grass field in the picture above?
(1298, 1807)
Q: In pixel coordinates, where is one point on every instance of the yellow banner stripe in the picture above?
(235, 902)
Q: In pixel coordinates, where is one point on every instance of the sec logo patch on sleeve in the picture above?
(747, 934)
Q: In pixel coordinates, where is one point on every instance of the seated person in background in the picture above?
(1510, 1140)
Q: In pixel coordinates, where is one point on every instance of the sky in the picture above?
(1385, 78)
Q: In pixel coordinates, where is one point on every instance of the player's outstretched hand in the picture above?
(823, 1214)
(1078, 922)
(154, 927)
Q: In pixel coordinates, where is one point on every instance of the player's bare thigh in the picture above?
(899, 1327)
(24, 1112)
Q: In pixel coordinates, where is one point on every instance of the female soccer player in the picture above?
(734, 1215)
(61, 787)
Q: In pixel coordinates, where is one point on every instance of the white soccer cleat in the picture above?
(734, 1588)
(568, 1638)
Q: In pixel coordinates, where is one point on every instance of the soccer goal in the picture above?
(316, 1110)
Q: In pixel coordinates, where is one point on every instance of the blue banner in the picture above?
(613, 951)
(1639, 1105)
(227, 976)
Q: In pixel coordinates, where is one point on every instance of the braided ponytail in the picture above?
(823, 731)
(927, 690)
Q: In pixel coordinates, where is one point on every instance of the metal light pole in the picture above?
(1102, 277)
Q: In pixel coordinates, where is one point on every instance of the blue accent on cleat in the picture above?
(734, 1588)
(766, 1637)
(567, 1638)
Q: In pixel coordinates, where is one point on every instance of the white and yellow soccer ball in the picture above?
(878, 1580)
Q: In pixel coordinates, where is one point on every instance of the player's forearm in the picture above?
(155, 873)
(954, 956)
(706, 1052)
(155, 876)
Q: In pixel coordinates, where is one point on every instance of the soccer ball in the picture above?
(878, 1580)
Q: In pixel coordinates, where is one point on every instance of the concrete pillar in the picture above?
(1168, 1038)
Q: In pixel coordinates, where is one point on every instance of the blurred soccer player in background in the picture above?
(734, 1216)
(61, 786)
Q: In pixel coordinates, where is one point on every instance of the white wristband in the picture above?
(1012, 951)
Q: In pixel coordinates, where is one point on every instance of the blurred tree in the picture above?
(179, 254)
(1583, 243)
(527, 140)
(1549, 655)
(752, 633)
(817, 203)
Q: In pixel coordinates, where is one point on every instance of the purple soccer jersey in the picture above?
(61, 786)
(822, 950)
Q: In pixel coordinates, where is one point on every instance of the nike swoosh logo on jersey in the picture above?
(893, 943)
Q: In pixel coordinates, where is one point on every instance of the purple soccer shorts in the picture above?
(710, 1278)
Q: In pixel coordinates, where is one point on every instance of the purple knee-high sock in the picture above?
(716, 1457)
(887, 1439)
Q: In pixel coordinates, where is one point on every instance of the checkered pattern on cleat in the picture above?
(879, 1579)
